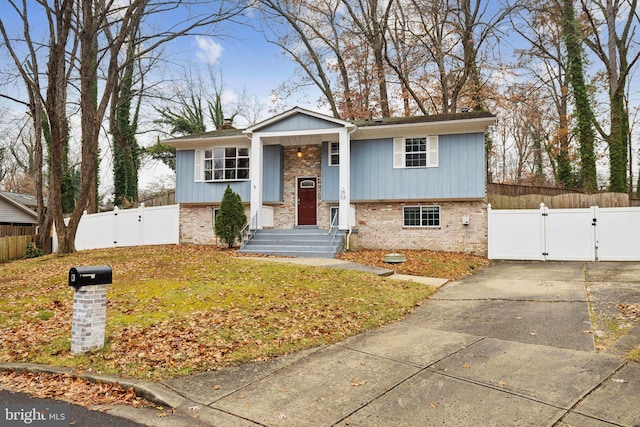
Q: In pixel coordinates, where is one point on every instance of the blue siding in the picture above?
(272, 173)
(189, 191)
(460, 173)
(298, 122)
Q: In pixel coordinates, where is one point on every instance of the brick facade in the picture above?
(196, 224)
(380, 226)
(308, 165)
(89, 318)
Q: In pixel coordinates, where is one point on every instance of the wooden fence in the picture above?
(168, 198)
(561, 201)
(14, 247)
(17, 230)
(508, 196)
(515, 190)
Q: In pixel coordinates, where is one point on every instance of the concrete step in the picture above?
(295, 253)
(299, 242)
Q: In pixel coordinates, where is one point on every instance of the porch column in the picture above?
(255, 174)
(345, 179)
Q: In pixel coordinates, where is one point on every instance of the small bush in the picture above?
(32, 251)
(231, 218)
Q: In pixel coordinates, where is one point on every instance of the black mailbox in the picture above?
(86, 276)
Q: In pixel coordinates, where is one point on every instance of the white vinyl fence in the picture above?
(590, 234)
(130, 227)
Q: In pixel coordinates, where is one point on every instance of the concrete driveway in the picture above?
(512, 345)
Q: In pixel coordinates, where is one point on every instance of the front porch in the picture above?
(302, 140)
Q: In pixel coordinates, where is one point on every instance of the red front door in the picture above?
(307, 201)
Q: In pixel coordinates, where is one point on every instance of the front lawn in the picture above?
(174, 310)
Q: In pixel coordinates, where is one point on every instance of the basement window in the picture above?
(421, 216)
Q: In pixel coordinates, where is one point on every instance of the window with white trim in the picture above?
(421, 216)
(417, 152)
(334, 153)
(334, 211)
(222, 164)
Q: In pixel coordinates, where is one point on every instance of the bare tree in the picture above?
(84, 24)
(610, 34)
(545, 61)
(284, 21)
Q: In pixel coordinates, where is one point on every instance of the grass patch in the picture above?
(174, 310)
(634, 354)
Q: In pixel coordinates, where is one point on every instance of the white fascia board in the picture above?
(292, 112)
(206, 142)
(303, 132)
(445, 127)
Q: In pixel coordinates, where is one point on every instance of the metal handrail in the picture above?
(333, 227)
(248, 231)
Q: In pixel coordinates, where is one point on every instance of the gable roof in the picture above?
(17, 208)
(295, 111)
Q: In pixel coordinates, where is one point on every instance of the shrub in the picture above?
(231, 218)
(32, 251)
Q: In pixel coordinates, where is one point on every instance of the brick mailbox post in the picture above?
(89, 307)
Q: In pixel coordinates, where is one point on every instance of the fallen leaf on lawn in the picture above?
(433, 405)
(533, 333)
(588, 331)
(283, 416)
(194, 408)
(502, 383)
(466, 366)
(161, 414)
(217, 387)
(518, 317)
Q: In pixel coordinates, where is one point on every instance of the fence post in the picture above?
(544, 213)
(594, 223)
(115, 226)
(141, 224)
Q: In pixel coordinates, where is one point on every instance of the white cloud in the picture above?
(229, 97)
(209, 51)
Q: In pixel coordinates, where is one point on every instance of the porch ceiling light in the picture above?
(299, 153)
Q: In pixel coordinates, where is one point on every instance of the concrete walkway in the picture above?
(510, 346)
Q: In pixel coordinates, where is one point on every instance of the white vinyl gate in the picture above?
(128, 227)
(590, 234)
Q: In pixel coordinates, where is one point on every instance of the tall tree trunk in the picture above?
(564, 170)
(617, 140)
(584, 113)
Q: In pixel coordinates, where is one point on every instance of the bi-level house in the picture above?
(400, 183)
